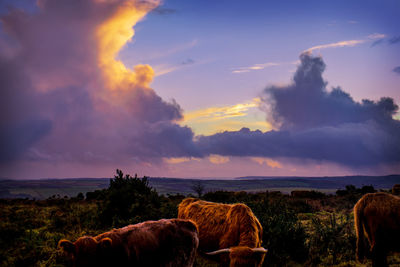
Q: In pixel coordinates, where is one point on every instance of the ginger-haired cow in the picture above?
(229, 230)
(167, 242)
(377, 218)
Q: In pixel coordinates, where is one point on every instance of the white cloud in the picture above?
(376, 36)
(259, 66)
(347, 43)
(337, 44)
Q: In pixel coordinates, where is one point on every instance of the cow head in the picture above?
(243, 256)
(86, 251)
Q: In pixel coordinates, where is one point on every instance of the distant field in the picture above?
(41, 189)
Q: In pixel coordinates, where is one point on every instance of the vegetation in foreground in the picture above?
(307, 228)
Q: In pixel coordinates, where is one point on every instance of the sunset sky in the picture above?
(180, 88)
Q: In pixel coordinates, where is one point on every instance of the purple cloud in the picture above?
(56, 105)
(317, 124)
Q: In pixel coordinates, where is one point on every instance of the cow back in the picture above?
(154, 243)
(378, 216)
(222, 225)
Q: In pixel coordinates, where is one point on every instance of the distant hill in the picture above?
(379, 182)
(42, 189)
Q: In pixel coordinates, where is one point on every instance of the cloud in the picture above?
(216, 159)
(256, 67)
(376, 36)
(397, 70)
(317, 124)
(348, 43)
(188, 61)
(380, 38)
(217, 119)
(394, 40)
(271, 163)
(176, 160)
(377, 42)
(67, 98)
(163, 11)
(219, 113)
(307, 103)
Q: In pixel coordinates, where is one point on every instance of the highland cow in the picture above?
(231, 231)
(377, 219)
(153, 243)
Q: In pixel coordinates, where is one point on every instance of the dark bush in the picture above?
(128, 200)
(283, 234)
(220, 196)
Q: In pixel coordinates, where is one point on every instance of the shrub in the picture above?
(128, 200)
(220, 196)
(332, 240)
(283, 234)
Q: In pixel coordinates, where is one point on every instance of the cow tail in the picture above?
(358, 223)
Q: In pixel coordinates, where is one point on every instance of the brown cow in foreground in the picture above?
(377, 217)
(153, 243)
(230, 229)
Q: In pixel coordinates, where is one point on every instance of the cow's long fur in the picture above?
(153, 243)
(224, 226)
(377, 222)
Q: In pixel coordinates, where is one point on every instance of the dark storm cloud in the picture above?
(306, 103)
(15, 138)
(153, 141)
(352, 144)
(21, 125)
(317, 124)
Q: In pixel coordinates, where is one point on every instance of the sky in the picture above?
(199, 89)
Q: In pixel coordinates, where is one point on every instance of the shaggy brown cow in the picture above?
(153, 243)
(377, 217)
(231, 229)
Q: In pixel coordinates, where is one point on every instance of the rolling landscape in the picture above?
(305, 221)
(71, 187)
(199, 133)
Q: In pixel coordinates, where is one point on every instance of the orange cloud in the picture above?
(271, 163)
(216, 119)
(218, 113)
(112, 35)
(179, 160)
(216, 159)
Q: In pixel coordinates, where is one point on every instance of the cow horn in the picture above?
(220, 251)
(260, 250)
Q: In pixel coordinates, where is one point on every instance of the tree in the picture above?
(129, 200)
(198, 187)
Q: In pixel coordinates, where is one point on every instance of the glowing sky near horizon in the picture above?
(199, 88)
